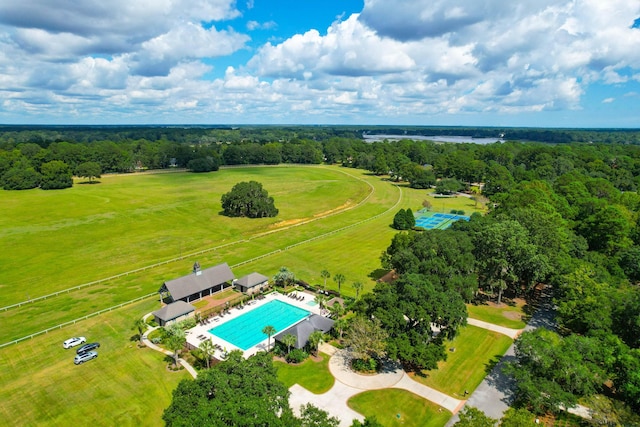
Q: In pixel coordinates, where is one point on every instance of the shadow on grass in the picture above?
(491, 364)
(481, 299)
(378, 273)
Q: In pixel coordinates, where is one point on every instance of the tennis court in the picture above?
(440, 221)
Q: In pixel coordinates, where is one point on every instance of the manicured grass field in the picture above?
(31, 318)
(368, 233)
(387, 404)
(60, 239)
(505, 315)
(124, 386)
(64, 238)
(476, 350)
(314, 376)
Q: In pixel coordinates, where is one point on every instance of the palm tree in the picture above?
(321, 300)
(340, 325)
(336, 310)
(140, 326)
(314, 341)
(325, 275)
(269, 330)
(358, 287)
(339, 279)
(175, 344)
(289, 340)
(207, 349)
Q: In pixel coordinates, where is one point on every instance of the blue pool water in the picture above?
(245, 331)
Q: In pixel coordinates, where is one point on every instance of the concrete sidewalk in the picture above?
(349, 383)
(152, 346)
(511, 333)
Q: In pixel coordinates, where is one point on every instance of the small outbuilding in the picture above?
(174, 312)
(251, 283)
(198, 284)
(303, 330)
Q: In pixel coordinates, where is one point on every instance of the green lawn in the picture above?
(124, 386)
(476, 351)
(506, 315)
(90, 232)
(65, 238)
(387, 404)
(314, 376)
(38, 316)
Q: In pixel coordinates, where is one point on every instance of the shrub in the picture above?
(187, 323)
(280, 349)
(361, 365)
(296, 355)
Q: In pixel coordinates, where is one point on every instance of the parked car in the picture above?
(72, 342)
(87, 347)
(81, 358)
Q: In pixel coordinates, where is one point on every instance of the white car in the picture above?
(72, 342)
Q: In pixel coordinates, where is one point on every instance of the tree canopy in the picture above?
(250, 200)
(406, 310)
(236, 392)
(56, 175)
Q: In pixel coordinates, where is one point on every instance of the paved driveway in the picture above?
(349, 383)
(495, 394)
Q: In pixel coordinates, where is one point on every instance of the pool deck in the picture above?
(195, 335)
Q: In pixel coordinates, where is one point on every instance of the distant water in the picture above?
(437, 138)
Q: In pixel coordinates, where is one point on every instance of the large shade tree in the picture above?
(236, 392)
(248, 199)
(552, 372)
(506, 258)
(56, 175)
(407, 311)
(445, 257)
(89, 170)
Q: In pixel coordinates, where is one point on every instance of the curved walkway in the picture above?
(511, 333)
(349, 383)
(145, 340)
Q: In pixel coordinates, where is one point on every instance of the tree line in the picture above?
(575, 230)
(421, 163)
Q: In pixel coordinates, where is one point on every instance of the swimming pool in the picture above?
(245, 331)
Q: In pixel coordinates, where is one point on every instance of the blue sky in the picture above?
(558, 63)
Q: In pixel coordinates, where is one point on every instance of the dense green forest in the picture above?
(566, 215)
(47, 157)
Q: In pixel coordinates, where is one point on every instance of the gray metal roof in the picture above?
(198, 282)
(251, 280)
(173, 310)
(304, 329)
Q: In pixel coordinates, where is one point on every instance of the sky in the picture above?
(536, 63)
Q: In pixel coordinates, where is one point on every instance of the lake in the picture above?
(437, 138)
